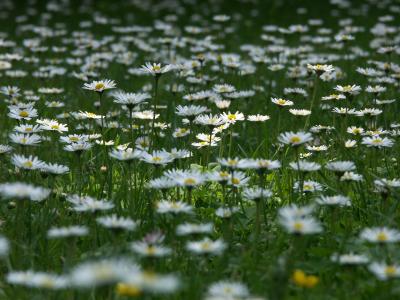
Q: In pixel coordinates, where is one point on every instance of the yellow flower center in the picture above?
(307, 187)
(73, 139)
(156, 159)
(55, 127)
(156, 68)
(235, 180)
(232, 162)
(129, 290)
(281, 101)
(47, 283)
(298, 226)
(347, 88)
(377, 141)
(231, 117)
(390, 270)
(28, 164)
(99, 86)
(382, 237)
(151, 250)
(175, 205)
(23, 114)
(227, 290)
(190, 181)
(295, 139)
(206, 246)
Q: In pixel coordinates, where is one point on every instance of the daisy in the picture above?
(377, 142)
(209, 120)
(155, 69)
(355, 130)
(256, 194)
(258, 118)
(125, 154)
(52, 125)
(300, 112)
(282, 102)
(223, 104)
(27, 128)
(232, 118)
(384, 271)
(350, 143)
(219, 176)
(350, 259)
(261, 164)
(39, 280)
(188, 179)
(338, 200)
(149, 249)
(308, 186)
(117, 223)
(223, 88)
(380, 235)
(20, 190)
(385, 185)
(27, 113)
(375, 89)
(303, 226)
(78, 147)
(181, 132)
(334, 97)
(238, 179)
(206, 246)
(319, 148)
(348, 89)
(130, 99)
(25, 139)
(54, 169)
(295, 139)
(206, 140)
(340, 166)
(5, 149)
(193, 229)
(27, 163)
(106, 271)
(175, 207)
(100, 86)
(89, 204)
(74, 138)
(65, 232)
(156, 157)
(190, 111)
(320, 69)
(227, 290)
(305, 166)
(351, 176)
(10, 91)
(153, 283)
(226, 212)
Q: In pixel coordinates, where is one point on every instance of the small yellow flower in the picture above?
(303, 280)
